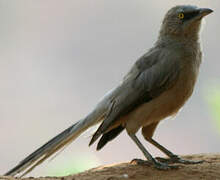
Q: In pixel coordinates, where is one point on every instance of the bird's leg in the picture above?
(173, 158)
(157, 164)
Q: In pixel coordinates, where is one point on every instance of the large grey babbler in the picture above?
(157, 86)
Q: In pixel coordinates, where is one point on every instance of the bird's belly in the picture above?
(167, 104)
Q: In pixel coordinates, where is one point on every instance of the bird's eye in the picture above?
(180, 15)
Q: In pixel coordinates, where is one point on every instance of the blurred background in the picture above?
(58, 58)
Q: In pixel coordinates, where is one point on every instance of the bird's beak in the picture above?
(204, 12)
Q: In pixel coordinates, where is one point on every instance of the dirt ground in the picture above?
(208, 170)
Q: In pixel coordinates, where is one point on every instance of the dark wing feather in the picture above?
(157, 76)
(109, 136)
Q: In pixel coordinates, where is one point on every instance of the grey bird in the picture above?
(156, 87)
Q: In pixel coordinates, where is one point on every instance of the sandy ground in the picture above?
(208, 170)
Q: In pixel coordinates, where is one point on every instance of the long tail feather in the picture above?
(55, 144)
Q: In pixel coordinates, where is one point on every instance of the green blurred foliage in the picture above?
(73, 165)
(213, 99)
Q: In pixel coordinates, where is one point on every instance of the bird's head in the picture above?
(183, 21)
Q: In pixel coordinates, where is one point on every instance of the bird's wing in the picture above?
(152, 74)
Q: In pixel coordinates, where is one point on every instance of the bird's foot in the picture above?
(155, 163)
(140, 162)
(177, 159)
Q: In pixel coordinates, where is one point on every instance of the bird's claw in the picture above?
(140, 162)
(177, 159)
(164, 166)
(156, 164)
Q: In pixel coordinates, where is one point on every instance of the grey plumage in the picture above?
(157, 86)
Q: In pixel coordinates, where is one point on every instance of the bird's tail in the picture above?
(55, 144)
